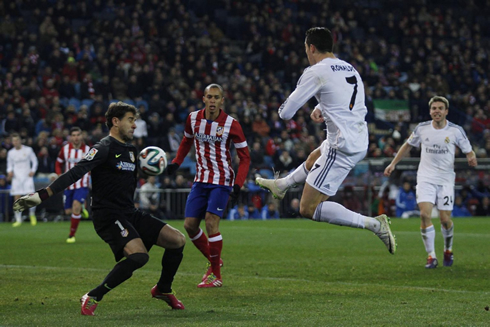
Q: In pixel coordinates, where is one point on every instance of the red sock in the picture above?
(75, 220)
(215, 246)
(201, 242)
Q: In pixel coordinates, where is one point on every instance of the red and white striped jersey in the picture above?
(212, 140)
(69, 156)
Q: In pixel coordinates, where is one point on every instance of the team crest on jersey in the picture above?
(124, 232)
(91, 154)
(131, 156)
(447, 139)
(220, 130)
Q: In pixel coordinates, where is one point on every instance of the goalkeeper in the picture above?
(129, 232)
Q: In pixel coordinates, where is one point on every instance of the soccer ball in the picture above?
(152, 160)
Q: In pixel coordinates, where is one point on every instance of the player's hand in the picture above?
(30, 200)
(172, 168)
(235, 192)
(389, 170)
(316, 115)
(472, 162)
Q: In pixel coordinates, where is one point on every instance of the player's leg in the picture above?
(428, 233)
(218, 196)
(195, 210)
(323, 181)
(279, 186)
(125, 241)
(445, 196)
(74, 220)
(17, 214)
(173, 241)
(77, 198)
(426, 198)
(29, 188)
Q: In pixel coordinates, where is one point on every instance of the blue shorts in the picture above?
(79, 194)
(206, 197)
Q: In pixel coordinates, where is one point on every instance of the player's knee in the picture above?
(139, 259)
(190, 228)
(425, 215)
(179, 239)
(306, 211)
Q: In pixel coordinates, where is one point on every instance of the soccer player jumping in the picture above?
(212, 131)
(129, 232)
(339, 89)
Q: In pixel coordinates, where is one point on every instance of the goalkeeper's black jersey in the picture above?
(114, 174)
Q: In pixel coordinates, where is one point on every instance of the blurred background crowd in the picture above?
(62, 62)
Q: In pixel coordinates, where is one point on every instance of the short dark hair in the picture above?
(321, 38)
(215, 86)
(118, 109)
(75, 129)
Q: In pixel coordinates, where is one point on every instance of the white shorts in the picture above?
(22, 186)
(440, 195)
(330, 170)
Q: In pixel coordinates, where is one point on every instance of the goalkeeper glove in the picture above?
(31, 200)
(172, 168)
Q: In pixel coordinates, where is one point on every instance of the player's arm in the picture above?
(184, 148)
(95, 157)
(404, 149)
(308, 86)
(34, 162)
(243, 153)
(471, 157)
(60, 161)
(10, 166)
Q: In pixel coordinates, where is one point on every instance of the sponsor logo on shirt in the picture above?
(436, 149)
(208, 138)
(121, 165)
(91, 154)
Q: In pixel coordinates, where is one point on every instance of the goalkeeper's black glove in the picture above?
(30, 200)
(172, 168)
(235, 192)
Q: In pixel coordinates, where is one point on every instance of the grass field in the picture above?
(276, 273)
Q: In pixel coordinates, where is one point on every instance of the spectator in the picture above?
(483, 207)
(293, 209)
(460, 209)
(406, 203)
(269, 211)
(238, 212)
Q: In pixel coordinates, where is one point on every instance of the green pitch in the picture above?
(276, 273)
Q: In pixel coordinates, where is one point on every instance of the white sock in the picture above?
(32, 211)
(448, 237)
(336, 214)
(428, 236)
(298, 176)
(18, 216)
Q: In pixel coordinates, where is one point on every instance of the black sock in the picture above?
(170, 264)
(121, 271)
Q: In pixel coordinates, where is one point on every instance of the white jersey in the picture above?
(21, 162)
(437, 151)
(339, 89)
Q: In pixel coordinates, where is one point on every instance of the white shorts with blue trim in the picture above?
(330, 170)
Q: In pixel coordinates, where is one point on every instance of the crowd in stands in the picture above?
(62, 62)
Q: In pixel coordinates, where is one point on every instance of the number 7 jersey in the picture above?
(339, 90)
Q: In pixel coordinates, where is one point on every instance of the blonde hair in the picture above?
(439, 98)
